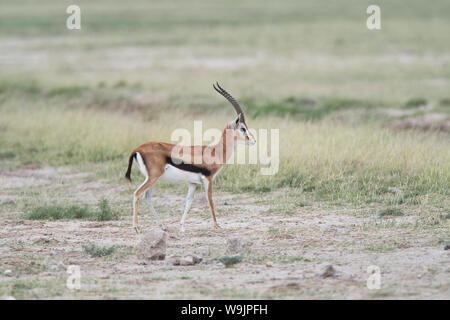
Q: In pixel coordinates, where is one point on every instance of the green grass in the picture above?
(229, 261)
(51, 212)
(391, 212)
(291, 259)
(98, 251)
(7, 155)
(135, 74)
(105, 212)
(416, 102)
(382, 293)
(311, 69)
(327, 159)
(445, 102)
(34, 288)
(305, 108)
(56, 212)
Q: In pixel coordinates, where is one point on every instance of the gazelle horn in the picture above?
(228, 96)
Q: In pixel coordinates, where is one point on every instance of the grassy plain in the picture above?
(82, 99)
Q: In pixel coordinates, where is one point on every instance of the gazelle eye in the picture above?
(242, 129)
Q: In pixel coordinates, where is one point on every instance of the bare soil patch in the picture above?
(285, 259)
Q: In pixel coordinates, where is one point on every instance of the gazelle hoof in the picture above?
(217, 226)
(137, 229)
(163, 228)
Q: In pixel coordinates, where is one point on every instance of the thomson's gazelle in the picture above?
(192, 164)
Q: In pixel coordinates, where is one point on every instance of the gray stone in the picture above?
(326, 271)
(174, 260)
(153, 245)
(188, 260)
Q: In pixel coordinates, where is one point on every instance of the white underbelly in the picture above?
(175, 175)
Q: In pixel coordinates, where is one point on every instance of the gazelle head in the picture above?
(241, 133)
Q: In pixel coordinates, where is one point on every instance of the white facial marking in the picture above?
(246, 135)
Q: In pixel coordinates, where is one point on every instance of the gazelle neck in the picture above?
(226, 144)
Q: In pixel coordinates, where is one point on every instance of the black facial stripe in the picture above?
(187, 166)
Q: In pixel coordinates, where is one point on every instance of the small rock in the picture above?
(7, 272)
(237, 245)
(174, 260)
(447, 247)
(153, 245)
(188, 260)
(326, 271)
(269, 264)
(197, 259)
(202, 251)
(329, 272)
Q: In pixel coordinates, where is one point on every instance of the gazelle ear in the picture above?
(236, 121)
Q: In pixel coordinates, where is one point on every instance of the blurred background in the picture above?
(359, 110)
(363, 117)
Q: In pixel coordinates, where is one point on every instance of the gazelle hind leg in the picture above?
(135, 204)
(148, 182)
(148, 197)
(207, 183)
(187, 207)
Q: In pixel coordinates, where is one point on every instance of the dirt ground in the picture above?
(290, 247)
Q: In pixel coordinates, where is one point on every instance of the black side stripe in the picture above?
(187, 166)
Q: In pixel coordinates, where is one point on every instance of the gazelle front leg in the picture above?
(207, 183)
(189, 197)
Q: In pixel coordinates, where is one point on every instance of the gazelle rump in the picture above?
(187, 164)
